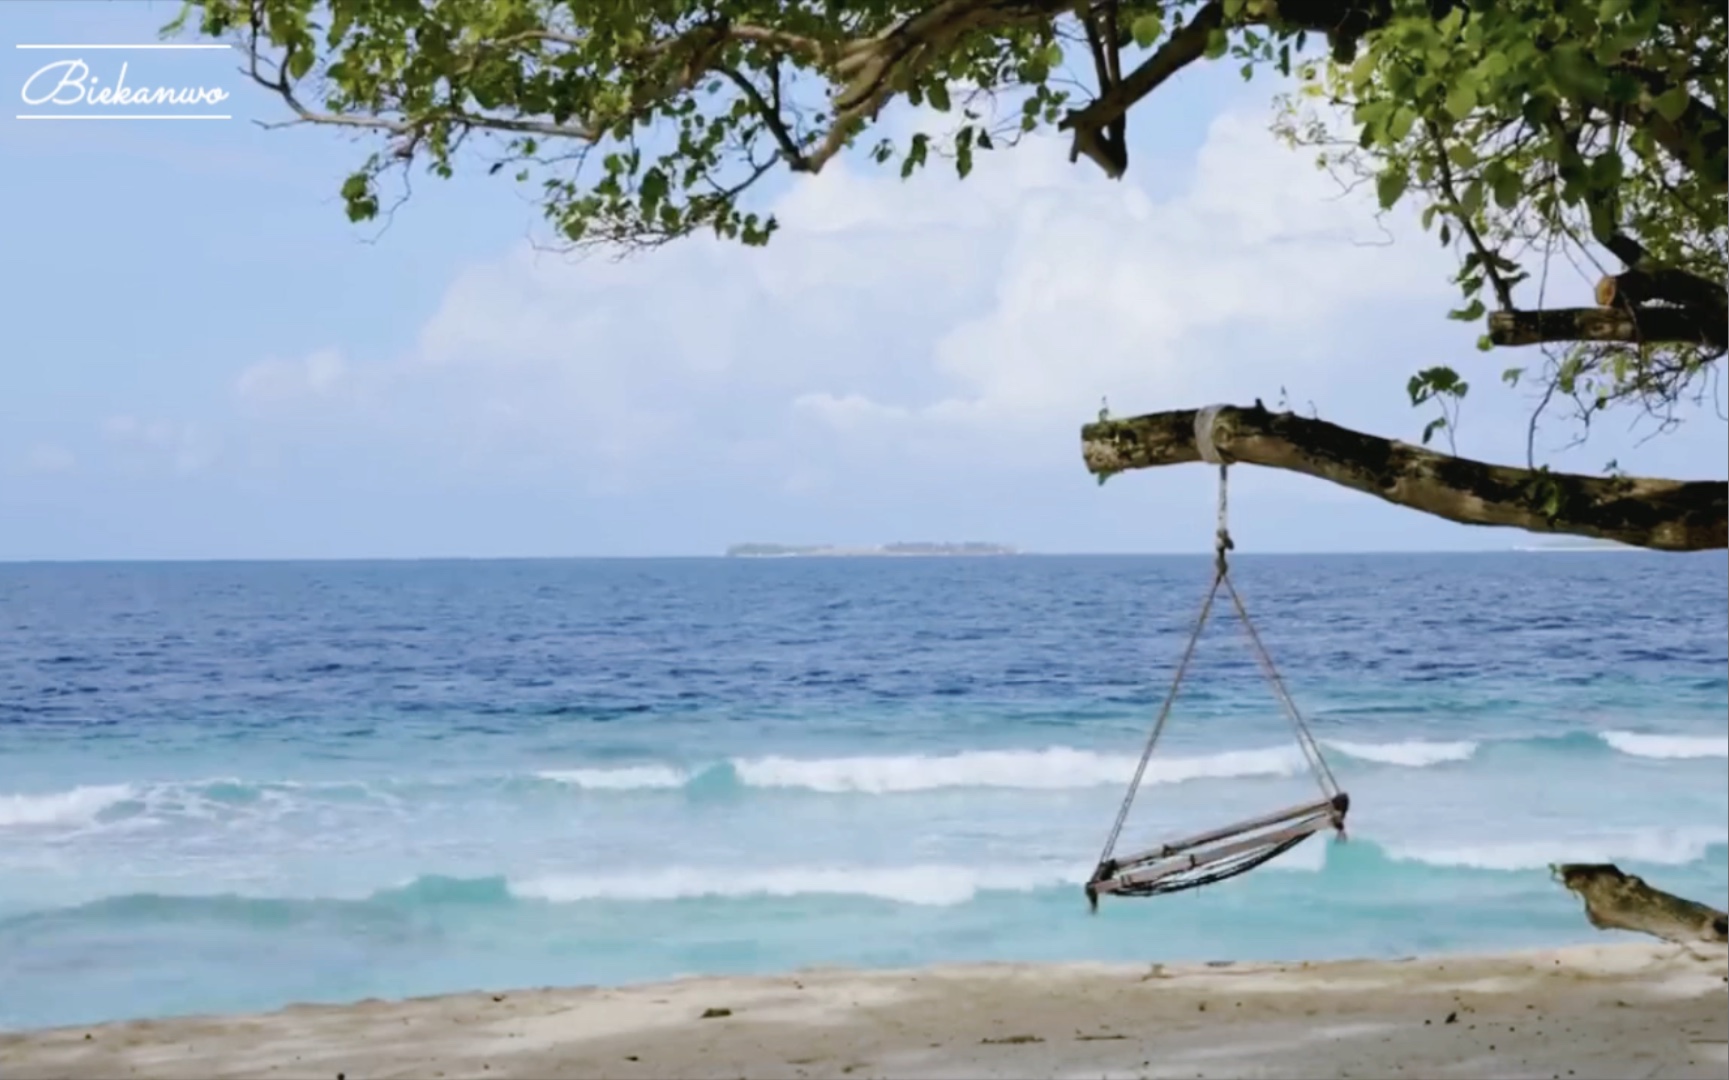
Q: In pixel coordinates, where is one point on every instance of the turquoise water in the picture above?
(235, 786)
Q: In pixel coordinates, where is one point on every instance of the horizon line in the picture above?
(722, 557)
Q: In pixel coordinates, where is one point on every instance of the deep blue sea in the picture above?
(235, 786)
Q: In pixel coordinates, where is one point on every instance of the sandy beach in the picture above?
(1619, 1010)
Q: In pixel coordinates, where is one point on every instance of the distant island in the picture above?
(786, 551)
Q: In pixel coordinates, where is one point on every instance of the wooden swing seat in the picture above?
(1218, 854)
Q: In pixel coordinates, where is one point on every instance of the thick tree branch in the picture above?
(1668, 515)
(1641, 286)
(1628, 326)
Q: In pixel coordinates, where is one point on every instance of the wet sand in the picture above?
(1618, 1010)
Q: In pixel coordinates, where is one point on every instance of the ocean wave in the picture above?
(1667, 746)
(931, 885)
(625, 778)
(1651, 847)
(1361, 865)
(1056, 768)
(141, 804)
(78, 806)
(1052, 769)
(1412, 754)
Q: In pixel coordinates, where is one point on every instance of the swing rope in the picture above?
(1306, 742)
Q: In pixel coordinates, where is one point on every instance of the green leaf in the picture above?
(1391, 184)
(1443, 380)
(1399, 124)
(1671, 105)
(1462, 155)
(300, 62)
(1433, 426)
(1218, 42)
(916, 153)
(1506, 184)
(1472, 199)
(1147, 28)
(1363, 70)
(938, 95)
(1462, 97)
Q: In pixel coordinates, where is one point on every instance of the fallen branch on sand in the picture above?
(1619, 901)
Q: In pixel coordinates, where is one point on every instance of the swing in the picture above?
(1224, 853)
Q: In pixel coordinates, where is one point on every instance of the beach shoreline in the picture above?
(1591, 1010)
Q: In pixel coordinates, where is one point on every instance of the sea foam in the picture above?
(1653, 847)
(627, 778)
(1055, 768)
(1667, 746)
(1412, 754)
(937, 885)
(79, 806)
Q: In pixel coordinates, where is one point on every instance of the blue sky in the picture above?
(203, 359)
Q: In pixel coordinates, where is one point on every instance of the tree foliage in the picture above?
(1543, 138)
(1533, 133)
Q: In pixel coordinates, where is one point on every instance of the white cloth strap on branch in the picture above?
(1204, 421)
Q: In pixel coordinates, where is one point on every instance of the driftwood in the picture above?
(1619, 901)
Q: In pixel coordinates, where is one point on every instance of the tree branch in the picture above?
(771, 118)
(1620, 901)
(1179, 51)
(1485, 258)
(1628, 326)
(1705, 300)
(1667, 515)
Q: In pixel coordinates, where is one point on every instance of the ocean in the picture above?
(234, 786)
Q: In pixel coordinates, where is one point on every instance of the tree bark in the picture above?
(1666, 515)
(1619, 901)
(1631, 326)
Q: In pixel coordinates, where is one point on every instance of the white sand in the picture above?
(1595, 1011)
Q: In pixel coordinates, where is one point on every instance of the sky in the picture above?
(200, 357)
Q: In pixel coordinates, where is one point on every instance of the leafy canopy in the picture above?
(1534, 134)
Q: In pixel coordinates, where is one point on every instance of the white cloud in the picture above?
(49, 458)
(892, 318)
(182, 447)
(319, 374)
(1104, 290)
